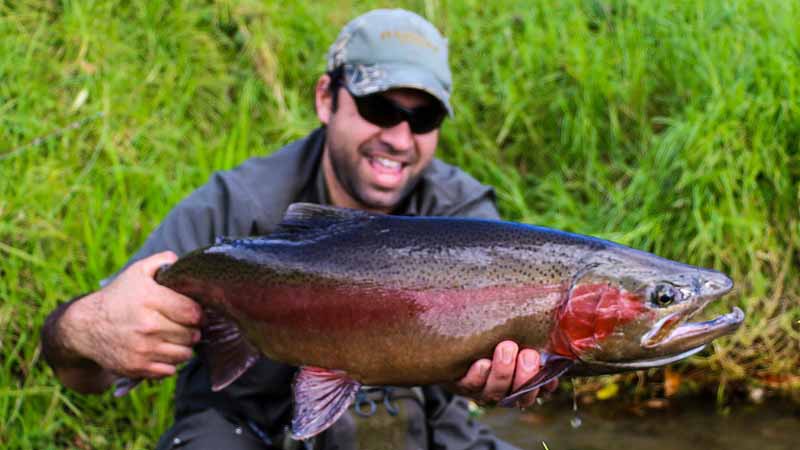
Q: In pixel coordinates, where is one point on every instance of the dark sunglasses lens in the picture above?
(426, 119)
(382, 112)
(378, 110)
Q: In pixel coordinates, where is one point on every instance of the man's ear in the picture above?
(323, 99)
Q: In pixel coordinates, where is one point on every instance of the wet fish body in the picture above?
(357, 298)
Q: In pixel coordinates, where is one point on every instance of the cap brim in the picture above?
(369, 79)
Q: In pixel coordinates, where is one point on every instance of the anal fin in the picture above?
(225, 349)
(321, 396)
(553, 366)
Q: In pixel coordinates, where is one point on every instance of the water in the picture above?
(657, 426)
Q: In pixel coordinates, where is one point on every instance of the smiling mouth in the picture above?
(386, 164)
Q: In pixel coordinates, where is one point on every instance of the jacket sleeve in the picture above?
(452, 428)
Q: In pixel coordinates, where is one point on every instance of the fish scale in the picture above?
(417, 252)
(358, 298)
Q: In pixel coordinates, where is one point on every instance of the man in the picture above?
(386, 92)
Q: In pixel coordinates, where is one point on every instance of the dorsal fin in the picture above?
(312, 211)
(309, 217)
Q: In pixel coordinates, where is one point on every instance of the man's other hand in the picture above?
(489, 381)
(134, 326)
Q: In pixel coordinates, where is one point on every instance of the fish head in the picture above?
(627, 310)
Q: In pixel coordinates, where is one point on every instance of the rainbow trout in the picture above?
(358, 298)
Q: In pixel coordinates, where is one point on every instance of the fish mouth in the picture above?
(670, 335)
(672, 341)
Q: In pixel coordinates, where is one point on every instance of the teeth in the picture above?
(387, 163)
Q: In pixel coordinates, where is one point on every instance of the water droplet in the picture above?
(574, 398)
(576, 421)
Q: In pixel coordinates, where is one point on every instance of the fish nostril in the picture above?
(719, 285)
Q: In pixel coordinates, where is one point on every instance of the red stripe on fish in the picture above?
(337, 308)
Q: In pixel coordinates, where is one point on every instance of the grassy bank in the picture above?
(672, 127)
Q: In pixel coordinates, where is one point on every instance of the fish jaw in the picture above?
(586, 368)
(691, 334)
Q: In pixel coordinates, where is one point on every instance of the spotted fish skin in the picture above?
(390, 300)
(416, 300)
(357, 298)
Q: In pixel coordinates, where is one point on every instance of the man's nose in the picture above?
(398, 136)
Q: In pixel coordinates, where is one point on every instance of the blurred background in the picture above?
(673, 127)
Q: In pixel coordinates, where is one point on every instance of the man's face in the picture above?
(370, 167)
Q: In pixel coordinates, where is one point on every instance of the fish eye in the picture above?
(663, 295)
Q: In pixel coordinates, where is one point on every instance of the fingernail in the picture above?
(196, 337)
(505, 355)
(529, 361)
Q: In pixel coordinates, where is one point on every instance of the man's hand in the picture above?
(134, 326)
(490, 381)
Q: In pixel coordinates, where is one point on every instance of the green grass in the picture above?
(672, 127)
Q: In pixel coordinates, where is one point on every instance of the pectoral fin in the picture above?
(553, 366)
(321, 396)
(228, 353)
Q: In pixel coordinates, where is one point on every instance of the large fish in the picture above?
(358, 298)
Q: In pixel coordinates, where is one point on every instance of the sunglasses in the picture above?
(380, 111)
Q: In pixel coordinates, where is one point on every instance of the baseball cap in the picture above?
(392, 48)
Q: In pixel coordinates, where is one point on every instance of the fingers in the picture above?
(502, 371)
(172, 354)
(178, 308)
(527, 368)
(149, 357)
(151, 264)
(137, 327)
(173, 332)
(158, 370)
(475, 378)
(144, 353)
(508, 371)
(174, 306)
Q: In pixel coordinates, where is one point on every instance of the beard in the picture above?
(346, 168)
